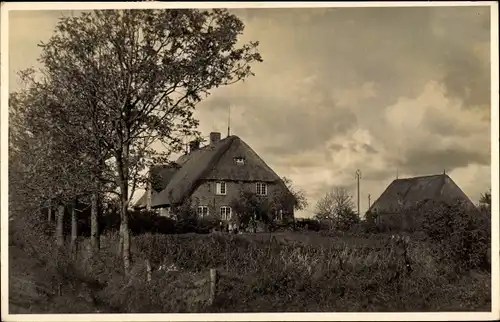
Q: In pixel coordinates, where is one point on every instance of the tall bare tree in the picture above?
(136, 76)
(337, 207)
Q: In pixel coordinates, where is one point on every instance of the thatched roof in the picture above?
(160, 176)
(212, 162)
(405, 193)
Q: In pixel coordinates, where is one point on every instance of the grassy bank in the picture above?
(258, 273)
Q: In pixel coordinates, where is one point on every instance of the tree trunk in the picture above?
(94, 223)
(49, 214)
(125, 234)
(120, 240)
(60, 225)
(122, 160)
(74, 228)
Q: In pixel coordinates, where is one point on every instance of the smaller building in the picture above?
(403, 194)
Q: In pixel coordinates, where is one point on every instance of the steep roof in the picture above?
(404, 193)
(212, 162)
(160, 176)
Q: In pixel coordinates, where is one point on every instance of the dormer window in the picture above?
(239, 160)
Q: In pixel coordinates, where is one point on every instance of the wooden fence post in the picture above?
(148, 270)
(213, 285)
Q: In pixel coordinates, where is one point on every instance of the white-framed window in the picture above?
(165, 212)
(202, 211)
(220, 188)
(261, 189)
(239, 160)
(225, 213)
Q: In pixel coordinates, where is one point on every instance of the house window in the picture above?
(202, 211)
(165, 212)
(220, 188)
(239, 160)
(225, 213)
(261, 189)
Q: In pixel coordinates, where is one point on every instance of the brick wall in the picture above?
(205, 194)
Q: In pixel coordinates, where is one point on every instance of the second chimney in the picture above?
(194, 145)
(214, 138)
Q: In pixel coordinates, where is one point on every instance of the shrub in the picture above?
(35, 261)
(308, 224)
(461, 235)
(141, 222)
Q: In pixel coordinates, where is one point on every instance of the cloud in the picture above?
(436, 132)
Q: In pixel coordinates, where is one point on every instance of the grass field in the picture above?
(279, 272)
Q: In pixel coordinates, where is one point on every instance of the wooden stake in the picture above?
(213, 285)
(148, 270)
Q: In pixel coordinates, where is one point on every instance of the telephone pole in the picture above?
(358, 176)
(229, 120)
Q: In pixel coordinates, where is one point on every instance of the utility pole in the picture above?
(229, 121)
(358, 176)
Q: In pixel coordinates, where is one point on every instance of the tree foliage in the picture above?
(45, 162)
(296, 197)
(485, 201)
(463, 235)
(250, 209)
(337, 207)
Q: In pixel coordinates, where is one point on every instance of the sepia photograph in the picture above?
(241, 158)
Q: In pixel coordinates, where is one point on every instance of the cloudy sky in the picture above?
(383, 90)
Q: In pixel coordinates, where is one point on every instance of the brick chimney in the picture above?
(194, 145)
(214, 138)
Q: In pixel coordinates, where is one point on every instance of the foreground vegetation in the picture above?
(282, 271)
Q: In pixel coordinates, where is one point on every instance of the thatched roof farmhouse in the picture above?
(211, 177)
(406, 193)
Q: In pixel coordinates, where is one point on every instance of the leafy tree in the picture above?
(250, 209)
(296, 197)
(485, 202)
(45, 165)
(337, 207)
(137, 75)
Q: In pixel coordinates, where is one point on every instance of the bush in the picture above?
(461, 235)
(143, 221)
(39, 273)
(308, 224)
